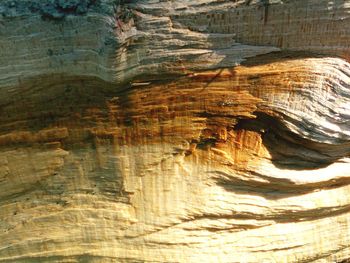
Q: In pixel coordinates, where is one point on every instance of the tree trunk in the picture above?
(174, 131)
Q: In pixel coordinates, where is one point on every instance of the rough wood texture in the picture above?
(174, 131)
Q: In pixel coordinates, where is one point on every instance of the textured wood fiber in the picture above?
(174, 131)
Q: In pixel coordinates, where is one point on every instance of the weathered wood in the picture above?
(174, 131)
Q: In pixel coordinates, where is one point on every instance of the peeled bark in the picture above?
(174, 131)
